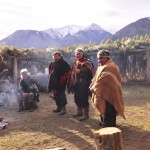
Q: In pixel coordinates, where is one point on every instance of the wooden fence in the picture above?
(133, 65)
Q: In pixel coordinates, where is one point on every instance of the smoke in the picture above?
(7, 95)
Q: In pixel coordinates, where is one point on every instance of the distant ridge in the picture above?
(71, 35)
(140, 27)
(56, 37)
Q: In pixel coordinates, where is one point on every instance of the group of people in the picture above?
(104, 87)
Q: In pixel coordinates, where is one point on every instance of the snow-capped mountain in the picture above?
(56, 37)
(63, 31)
(94, 27)
(72, 29)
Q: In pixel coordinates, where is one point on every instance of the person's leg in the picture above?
(110, 117)
(84, 99)
(31, 101)
(57, 101)
(20, 100)
(63, 101)
(77, 101)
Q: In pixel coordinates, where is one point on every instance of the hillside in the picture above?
(140, 27)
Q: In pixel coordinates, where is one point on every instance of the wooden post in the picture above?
(109, 138)
(15, 70)
(148, 67)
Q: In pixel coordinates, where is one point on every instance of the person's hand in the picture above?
(77, 70)
(51, 96)
(25, 94)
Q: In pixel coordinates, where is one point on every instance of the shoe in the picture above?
(78, 115)
(20, 110)
(31, 110)
(63, 110)
(84, 118)
(62, 113)
(56, 110)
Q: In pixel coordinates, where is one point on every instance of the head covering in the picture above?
(24, 71)
(103, 52)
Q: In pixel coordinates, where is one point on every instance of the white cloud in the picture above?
(43, 14)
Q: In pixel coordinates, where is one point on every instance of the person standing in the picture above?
(59, 71)
(106, 90)
(78, 83)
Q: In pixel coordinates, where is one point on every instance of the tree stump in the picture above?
(109, 138)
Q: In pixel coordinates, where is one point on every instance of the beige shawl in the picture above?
(106, 86)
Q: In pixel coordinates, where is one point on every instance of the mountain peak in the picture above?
(94, 26)
(63, 31)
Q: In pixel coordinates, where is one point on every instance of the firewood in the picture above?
(55, 148)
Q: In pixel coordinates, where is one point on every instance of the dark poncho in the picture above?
(58, 74)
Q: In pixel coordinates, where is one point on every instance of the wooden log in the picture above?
(55, 148)
(109, 138)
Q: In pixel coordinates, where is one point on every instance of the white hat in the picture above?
(23, 70)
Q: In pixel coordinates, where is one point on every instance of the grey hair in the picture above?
(103, 52)
(79, 49)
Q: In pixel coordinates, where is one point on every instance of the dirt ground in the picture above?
(42, 128)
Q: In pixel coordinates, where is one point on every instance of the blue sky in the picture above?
(111, 15)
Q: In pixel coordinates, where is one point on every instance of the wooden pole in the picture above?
(15, 70)
(109, 138)
(148, 67)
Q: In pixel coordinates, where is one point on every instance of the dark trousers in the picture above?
(60, 97)
(110, 117)
(81, 94)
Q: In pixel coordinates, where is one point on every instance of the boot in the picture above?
(85, 114)
(35, 106)
(1, 118)
(21, 107)
(58, 109)
(63, 110)
(26, 105)
(79, 112)
(31, 107)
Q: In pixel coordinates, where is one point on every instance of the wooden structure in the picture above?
(109, 138)
(133, 65)
(148, 67)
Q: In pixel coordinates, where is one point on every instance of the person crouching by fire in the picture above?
(28, 93)
(106, 90)
(59, 71)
